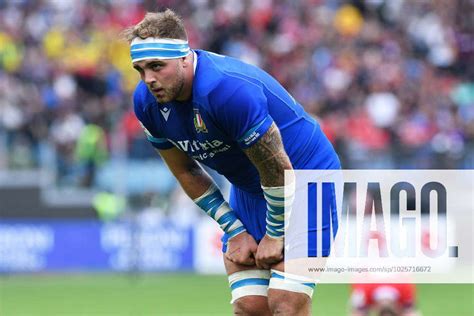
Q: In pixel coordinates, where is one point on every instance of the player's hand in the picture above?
(269, 251)
(241, 249)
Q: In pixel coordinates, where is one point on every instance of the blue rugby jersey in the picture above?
(233, 104)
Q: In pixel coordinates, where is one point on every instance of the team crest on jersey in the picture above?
(198, 122)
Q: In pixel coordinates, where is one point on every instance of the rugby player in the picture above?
(197, 107)
(383, 299)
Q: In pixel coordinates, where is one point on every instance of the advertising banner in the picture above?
(380, 226)
(91, 245)
(208, 247)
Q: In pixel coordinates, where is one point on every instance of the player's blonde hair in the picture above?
(166, 24)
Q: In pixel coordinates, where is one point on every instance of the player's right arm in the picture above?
(194, 180)
(199, 186)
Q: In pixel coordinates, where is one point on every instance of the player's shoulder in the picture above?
(224, 77)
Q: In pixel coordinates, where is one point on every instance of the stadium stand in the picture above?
(391, 83)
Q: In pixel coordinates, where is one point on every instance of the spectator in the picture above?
(396, 75)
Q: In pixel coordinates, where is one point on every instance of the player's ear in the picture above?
(187, 60)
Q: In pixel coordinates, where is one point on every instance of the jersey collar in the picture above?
(195, 61)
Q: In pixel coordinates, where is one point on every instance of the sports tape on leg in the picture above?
(249, 282)
(288, 282)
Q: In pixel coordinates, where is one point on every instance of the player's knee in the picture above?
(251, 305)
(289, 294)
(288, 303)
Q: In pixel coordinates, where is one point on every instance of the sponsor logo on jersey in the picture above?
(199, 123)
(201, 150)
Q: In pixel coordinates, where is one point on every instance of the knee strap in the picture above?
(249, 282)
(288, 282)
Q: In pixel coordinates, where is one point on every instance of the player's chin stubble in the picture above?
(174, 91)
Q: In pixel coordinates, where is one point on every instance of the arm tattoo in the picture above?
(269, 157)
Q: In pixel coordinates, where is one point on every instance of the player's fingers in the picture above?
(249, 261)
(276, 258)
(268, 261)
(228, 257)
(258, 262)
(242, 259)
(253, 255)
(245, 258)
(262, 263)
(233, 256)
(253, 249)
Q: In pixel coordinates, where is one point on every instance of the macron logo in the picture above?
(165, 112)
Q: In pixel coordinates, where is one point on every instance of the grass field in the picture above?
(178, 294)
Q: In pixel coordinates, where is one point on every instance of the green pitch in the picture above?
(178, 294)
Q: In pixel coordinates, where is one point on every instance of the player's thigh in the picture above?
(288, 295)
(249, 286)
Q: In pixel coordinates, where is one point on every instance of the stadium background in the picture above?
(92, 223)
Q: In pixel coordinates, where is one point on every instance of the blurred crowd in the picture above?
(391, 82)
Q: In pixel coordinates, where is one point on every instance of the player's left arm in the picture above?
(244, 115)
(269, 157)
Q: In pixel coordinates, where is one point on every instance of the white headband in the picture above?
(160, 48)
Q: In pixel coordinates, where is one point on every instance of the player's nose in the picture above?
(149, 78)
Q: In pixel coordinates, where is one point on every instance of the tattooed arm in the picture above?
(269, 157)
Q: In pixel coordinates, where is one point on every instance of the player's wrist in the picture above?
(275, 217)
(236, 232)
(276, 237)
(213, 203)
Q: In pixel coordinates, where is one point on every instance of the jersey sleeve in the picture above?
(244, 116)
(151, 132)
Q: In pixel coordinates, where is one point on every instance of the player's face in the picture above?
(164, 78)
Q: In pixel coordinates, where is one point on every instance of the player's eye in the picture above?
(138, 69)
(155, 67)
